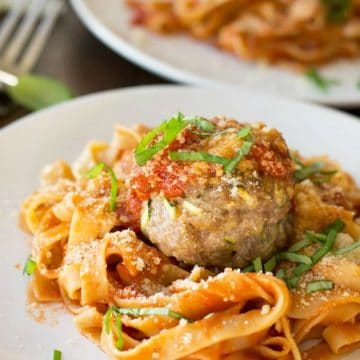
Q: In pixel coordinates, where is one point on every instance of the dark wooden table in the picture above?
(77, 58)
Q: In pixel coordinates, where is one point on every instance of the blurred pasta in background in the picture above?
(292, 32)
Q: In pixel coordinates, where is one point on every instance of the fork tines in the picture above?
(24, 31)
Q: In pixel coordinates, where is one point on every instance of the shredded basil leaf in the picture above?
(327, 239)
(202, 124)
(337, 10)
(314, 172)
(57, 355)
(29, 267)
(148, 311)
(314, 236)
(280, 274)
(319, 285)
(248, 268)
(229, 164)
(328, 172)
(244, 132)
(301, 268)
(300, 245)
(197, 156)
(296, 160)
(319, 80)
(271, 263)
(347, 249)
(292, 282)
(120, 339)
(107, 320)
(215, 133)
(257, 264)
(169, 130)
(203, 134)
(298, 258)
(118, 326)
(306, 262)
(244, 150)
(135, 312)
(96, 171)
(324, 176)
(307, 171)
(114, 189)
(323, 250)
(338, 225)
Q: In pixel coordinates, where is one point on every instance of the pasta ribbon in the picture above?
(297, 33)
(137, 303)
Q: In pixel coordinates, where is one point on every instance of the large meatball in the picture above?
(212, 214)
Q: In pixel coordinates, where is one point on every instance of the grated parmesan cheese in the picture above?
(187, 338)
(139, 264)
(265, 309)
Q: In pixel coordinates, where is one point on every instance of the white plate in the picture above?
(183, 59)
(62, 131)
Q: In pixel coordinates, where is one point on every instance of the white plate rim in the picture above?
(125, 49)
(121, 47)
(146, 88)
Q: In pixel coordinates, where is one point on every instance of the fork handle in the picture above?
(7, 78)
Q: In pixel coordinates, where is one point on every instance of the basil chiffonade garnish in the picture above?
(96, 171)
(135, 312)
(168, 130)
(29, 267)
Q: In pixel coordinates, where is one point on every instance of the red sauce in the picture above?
(159, 175)
(270, 161)
(139, 17)
(129, 213)
(167, 177)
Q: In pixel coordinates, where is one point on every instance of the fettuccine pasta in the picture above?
(303, 32)
(92, 252)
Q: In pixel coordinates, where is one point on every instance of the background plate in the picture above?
(186, 60)
(62, 131)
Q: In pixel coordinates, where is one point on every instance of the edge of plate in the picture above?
(133, 90)
(122, 48)
(164, 70)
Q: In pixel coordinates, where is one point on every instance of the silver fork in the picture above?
(23, 35)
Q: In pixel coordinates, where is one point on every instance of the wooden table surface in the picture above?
(77, 58)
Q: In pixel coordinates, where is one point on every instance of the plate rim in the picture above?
(133, 90)
(132, 54)
(167, 71)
